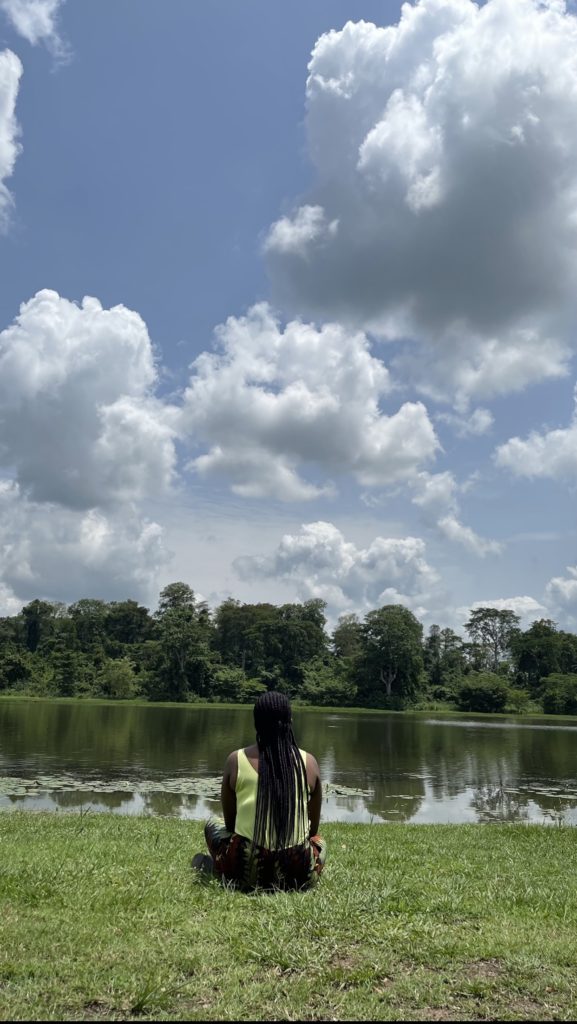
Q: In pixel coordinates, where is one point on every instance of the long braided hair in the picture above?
(281, 802)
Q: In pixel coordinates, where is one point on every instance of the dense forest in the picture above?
(186, 652)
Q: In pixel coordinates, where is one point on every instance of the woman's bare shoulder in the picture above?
(313, 770)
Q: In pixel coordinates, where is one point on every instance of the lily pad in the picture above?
(209, 788)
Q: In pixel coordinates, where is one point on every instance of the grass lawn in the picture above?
(101, 918)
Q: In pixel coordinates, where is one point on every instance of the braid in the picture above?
(282, 782)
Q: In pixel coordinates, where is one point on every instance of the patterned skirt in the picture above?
(235, 860)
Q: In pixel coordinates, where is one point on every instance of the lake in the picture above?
(379, 767)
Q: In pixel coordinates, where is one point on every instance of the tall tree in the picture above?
(493, 630)
(38, 619)
(89, 617)
(537, 652)
(176, 595)
(181, 657)
(347, 637)
(391, 663)
(127, 622)
(444, 657)
(432, 656)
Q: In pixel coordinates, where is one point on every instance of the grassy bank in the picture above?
(101, 918)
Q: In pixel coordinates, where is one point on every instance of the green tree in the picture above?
(537, 652)
(69, 671)
(560, 694)
(347, 638)
(482, 691)
(89, 617)
(127, 623)
(568, 657)
(116, 679)
(240, 634)
(15, 666)
(181, 659)
(269, 642)
(326, 683)
(231, 684)
(176, 595)
(445, 661)
(297, 637)
(38, 618)
(391, 664)
(493, 630)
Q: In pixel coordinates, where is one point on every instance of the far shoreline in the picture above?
(434, 711)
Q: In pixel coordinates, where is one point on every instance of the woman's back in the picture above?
(271, 800)
(246, 789)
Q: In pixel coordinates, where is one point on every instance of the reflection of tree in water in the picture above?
(458, 755)
(375, 753)
(107, 738)
(399, 759)
(167, 804)
(508, 766)
(495, 803)
(396, 799)
(79, 798)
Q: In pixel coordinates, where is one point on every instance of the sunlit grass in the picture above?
(102, 918)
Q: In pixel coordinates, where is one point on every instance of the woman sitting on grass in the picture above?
(271, 799)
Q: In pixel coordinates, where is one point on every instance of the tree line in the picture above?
(186, 652)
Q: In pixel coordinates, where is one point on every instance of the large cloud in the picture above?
(551, 454)
(83, 440)
(36, 20)
(270, 401)
(79, 424)
(445, 207)
(10, 72)
(322, 563)
(62, 554)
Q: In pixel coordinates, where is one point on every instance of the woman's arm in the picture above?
(227, 791)
(316, 797)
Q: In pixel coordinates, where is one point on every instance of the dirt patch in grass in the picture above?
(343, 963)
(479, 969)
(436, 1013)
(532, 1009)
(96, 1010)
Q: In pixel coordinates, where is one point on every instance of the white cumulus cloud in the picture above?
(550, 454)
(63, 554)
(323, 564)
(79, 423)
(445, 201)
(436, 494)
(478, 368)
(271, 401)
(561, 594)
(36, 21)
(474, 424)
(10, 73)
(293, 235)
(456, 531)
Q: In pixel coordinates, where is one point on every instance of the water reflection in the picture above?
(408, 768)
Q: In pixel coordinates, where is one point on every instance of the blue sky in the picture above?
(411, 212)
(155, 160)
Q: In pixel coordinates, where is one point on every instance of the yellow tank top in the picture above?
(246, 790)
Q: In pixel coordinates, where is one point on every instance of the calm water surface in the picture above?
(405, 768)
